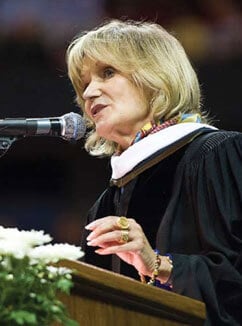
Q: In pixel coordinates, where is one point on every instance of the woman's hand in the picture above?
(107, 235)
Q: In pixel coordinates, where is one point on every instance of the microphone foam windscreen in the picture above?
(75, 127)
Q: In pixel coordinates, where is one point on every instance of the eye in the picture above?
(108, 72)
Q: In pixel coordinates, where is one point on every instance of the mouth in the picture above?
(96, 109)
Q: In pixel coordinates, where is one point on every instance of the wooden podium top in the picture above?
(95, 286)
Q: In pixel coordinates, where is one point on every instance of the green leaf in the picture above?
(22, 317)
(64, 285)
(71, 322)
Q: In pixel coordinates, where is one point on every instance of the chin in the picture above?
(103, 133)
(103, 129)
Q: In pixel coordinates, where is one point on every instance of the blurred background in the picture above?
(48, 183)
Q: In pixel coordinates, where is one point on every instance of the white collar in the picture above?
(141, 150)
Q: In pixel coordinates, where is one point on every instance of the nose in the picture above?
(93, 90)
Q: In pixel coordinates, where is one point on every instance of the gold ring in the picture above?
(124, 238)
(123, 223)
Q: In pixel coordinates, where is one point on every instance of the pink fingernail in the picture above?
(89, 226)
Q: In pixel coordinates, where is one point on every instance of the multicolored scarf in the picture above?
(152, 127)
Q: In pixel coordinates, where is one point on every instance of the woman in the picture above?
(176, 181)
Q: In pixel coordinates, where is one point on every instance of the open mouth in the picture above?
(97, 108)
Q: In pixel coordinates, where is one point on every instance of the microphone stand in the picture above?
(5, 143)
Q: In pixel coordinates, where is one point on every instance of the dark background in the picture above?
(48, 183)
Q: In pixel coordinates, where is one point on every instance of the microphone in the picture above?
(70, 126)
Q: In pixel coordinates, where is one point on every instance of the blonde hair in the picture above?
(151, 57)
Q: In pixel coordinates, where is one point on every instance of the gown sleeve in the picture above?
(102, 207)
(212, 189)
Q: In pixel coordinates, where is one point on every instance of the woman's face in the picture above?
(113, 103)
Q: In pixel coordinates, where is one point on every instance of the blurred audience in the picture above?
(208, 29)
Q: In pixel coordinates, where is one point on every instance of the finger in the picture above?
(114, 236)
(127, 247)
(95, 224)
(134, 246)
(99, 231)
(103, 225)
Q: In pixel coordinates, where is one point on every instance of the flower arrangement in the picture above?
(28, 283)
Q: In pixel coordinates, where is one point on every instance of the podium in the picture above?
(104, 298)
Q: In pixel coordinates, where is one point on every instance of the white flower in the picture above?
(13, 247)
(58, 270)
(53, 253)
(9, 277)
(32, 295)
(28, 238)
(53, 270)
(20, 244)
(19, 249)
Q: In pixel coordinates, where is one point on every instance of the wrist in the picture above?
(165, 269)
(161, 272)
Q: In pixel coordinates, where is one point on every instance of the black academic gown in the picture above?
(190, 205)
